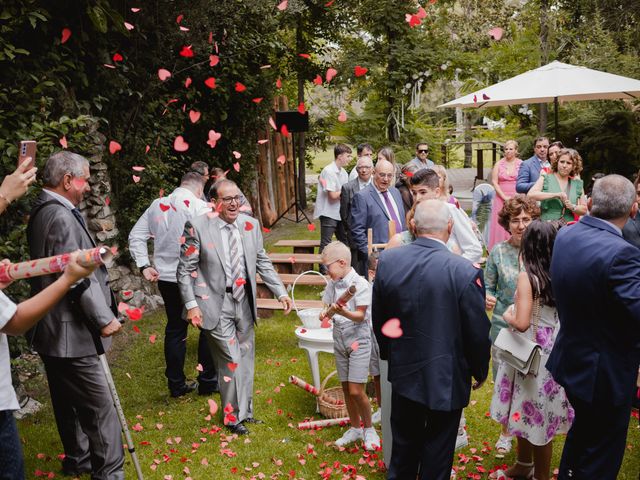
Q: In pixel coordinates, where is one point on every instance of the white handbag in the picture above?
(517, 350)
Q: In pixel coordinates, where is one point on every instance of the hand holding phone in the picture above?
(27, 151)
(15, 185)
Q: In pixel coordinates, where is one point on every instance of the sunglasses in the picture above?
(423, 151)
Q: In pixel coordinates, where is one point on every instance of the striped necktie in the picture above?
(235, 260)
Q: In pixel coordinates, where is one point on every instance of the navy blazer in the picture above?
(439, 298)
(528, 174)
(367, 211)
(595, 275)
(631, 231)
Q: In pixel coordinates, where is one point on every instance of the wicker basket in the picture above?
(331, 400)
(310, 317)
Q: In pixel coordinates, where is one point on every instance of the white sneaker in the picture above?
(371, 439)
(503, 445)
(376, 417)
(350, 436)
(462, 440)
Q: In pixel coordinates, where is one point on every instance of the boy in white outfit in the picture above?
(352, 341)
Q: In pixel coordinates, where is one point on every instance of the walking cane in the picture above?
(116, 402)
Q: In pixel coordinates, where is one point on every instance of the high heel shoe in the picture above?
(499, 474)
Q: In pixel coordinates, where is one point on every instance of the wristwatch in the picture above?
(144, 267)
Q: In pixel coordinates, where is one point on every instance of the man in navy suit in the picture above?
(530, 169)
(373, 207)
(442, 341)
(595, 276)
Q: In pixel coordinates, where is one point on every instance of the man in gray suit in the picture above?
(86, 418)
(217, 278)
(364, 168)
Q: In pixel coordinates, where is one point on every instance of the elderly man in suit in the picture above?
(433, 330)
(164, 222)
(217, 271)
(364, 168)
(373, 207)
(530, 169)
(86, 418)
(595, 276)
(631, 230)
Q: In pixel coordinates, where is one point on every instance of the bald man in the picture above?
(374, 206)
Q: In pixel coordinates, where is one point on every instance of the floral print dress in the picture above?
(533, 407)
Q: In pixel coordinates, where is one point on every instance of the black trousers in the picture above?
(85, 416)
(11, 458)
(329, 226)
(424, 441)
(596, 442)
(175, 344)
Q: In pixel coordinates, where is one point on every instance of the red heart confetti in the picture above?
(342, 116)
(232, 366)
(63, 141)
(281, 159)
(392, 328)
(117, 57)
(214, 60)
(317, 80)
(128, 26)
(248, 226)
(283, 5)
(163, 74)
(164, 207)
(210, 82)
(66, 33)
(331, 73)
(186, 52)
(360, 71)
(191, 249)
(114, 147)
(311, 227)
(179, 145)
(213, 138)
(240, 87)
(194, 116)
(135, 178)
(240, 282)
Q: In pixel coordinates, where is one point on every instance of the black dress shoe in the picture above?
(75, 471)
(238, 428)
(255, 421)
(185, 389)
(208, 390)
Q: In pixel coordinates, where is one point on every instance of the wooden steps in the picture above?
(288, 278)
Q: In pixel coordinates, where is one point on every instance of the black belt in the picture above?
(228, 290)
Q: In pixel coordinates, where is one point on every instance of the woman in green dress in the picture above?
(501, 277)
(561, 192)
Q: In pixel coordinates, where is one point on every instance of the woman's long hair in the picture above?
(536, 251)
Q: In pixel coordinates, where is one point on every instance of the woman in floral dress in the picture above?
(501, 276)
(534, 408)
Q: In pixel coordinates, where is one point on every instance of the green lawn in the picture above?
(178, 438)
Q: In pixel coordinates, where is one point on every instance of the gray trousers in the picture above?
(86, 418)
(232, 341)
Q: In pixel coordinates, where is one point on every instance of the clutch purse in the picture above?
(517, 350)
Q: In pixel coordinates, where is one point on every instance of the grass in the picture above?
(178, 439)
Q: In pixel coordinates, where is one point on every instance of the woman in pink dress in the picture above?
(503, 177)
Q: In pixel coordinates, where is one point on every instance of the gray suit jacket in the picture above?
(63, 332)
(208, 260)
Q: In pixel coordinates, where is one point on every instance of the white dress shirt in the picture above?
(331, 179)
(164, 222)
(462, 235)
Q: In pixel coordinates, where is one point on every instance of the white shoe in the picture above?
(376, 417)
(350, 436)
(503, 445)
(462, 440)
(371, 439)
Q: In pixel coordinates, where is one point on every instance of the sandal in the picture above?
(503, 445)
(505, 474)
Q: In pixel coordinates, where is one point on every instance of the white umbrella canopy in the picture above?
(555, 82)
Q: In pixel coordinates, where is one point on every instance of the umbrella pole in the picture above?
(555, 116)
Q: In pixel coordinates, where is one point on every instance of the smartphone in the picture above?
(27, 149)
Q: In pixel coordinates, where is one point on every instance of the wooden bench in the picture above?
(288, 279)
(299, 246)
(294, 263)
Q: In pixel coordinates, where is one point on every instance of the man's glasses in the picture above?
(363, 167)
(229, 200)
(386, 175)
(423, 151)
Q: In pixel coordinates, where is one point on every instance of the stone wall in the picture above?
(127, 283)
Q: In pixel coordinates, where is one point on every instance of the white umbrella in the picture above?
(555, 82)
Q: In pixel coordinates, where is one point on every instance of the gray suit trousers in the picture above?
(232, 341)
(86, 417)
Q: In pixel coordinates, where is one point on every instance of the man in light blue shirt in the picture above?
(422, 152)
(530, 169)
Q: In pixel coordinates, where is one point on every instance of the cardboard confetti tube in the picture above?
(344, 298)
(329, 422)
(298, 382)
(55, 264)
